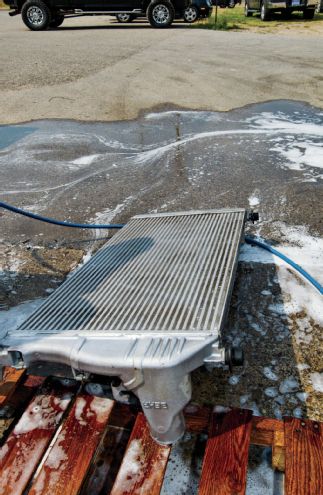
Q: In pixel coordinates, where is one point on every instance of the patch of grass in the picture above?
(235, 19)
(221, 23)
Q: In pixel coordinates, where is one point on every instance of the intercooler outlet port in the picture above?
(234, 356)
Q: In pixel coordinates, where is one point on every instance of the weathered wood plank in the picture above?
(304, 457)
(15, 405)
(11, 380)
(25, 446)
(143, 467)
(107, 461)
(263, 430)
(278, 451)
(197, 418)
(68, 460)
(226, 455)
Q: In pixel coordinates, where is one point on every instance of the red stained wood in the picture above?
(226, 455)
(15, 405)
(27, 443)
(197, 418)
(11, 380)
(143, 467)
(70, 456)
(304, 457)
(106, 463)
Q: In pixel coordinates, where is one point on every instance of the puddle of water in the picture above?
(11, 134)
(265, 156)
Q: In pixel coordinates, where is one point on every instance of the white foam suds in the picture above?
(234, 379)
(4, 451)
(101, 407)
(198, 115)
(317, 381)
(253, 200)
(57, 457)
(297, 412)
(282, 124)
(303, 366)
(300, 154)
(131, 471)
(270, 374)
(271, 392)
(79, 410)
(307, 251)
(86, 160)
(288, 385)
(260, 477)
(302, 396)
(266, 123)
(40, 415)
(108, 214)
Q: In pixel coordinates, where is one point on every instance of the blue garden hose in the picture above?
(267, 247)
(249, 240)
(59, 222)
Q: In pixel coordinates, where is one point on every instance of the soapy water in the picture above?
(57, 161)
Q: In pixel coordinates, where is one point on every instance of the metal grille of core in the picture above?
(160, 273)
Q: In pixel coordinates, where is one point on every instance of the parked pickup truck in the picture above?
(41, 14)
(267, 7)
(197, 9)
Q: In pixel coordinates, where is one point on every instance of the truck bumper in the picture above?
(289, 5)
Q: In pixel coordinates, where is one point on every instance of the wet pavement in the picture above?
(268, 156)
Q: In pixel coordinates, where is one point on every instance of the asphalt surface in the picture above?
(95, 69)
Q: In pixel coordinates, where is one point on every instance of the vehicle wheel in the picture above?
(124, 17)
(286, 14)
(56, 21)
(264, 12)
(247, 12)
(191, 14)
(36, 15)
(308, 13)
(160, 13)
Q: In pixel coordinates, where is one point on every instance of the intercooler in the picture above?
(148, 308)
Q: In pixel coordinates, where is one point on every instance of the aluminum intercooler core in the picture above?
(148, 307)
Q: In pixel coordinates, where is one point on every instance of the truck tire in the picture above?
(308, 13)
(264, 11)
(247, 12)
(191, 14)
(56, 21)
(125, 17)
(36, 15)
(160, 13)
(286, 14)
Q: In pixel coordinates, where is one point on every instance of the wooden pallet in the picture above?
(59, 439)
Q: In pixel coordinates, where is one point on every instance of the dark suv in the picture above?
(41, 14)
